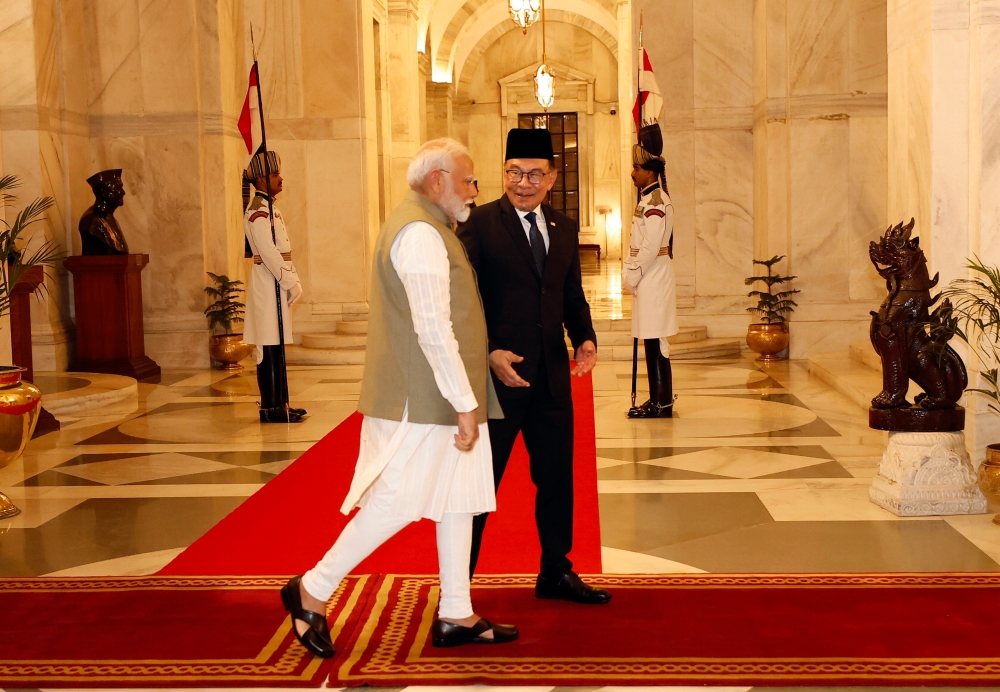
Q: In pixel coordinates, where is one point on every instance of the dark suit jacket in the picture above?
(525, 312)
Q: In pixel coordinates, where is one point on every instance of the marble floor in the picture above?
(762, 469)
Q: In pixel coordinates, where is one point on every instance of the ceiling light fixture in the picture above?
(524, 12)
(545, 83)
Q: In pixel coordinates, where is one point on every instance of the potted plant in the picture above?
(225, 347)
(20, 402)
(976, 306)
(770, 336)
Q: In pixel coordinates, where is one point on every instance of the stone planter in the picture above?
(989, 476)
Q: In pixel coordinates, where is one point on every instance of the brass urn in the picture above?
(228, 350)
(19, 409)
(768, 340)
(989, 476)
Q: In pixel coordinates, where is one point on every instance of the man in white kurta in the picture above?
(272, 261)
(648, 274)
(408, 469)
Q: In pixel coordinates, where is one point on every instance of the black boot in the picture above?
(273, 397)
(660, 403)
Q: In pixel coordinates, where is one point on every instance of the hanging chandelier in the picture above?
(545, 87)
(545, 83)
(524, 12)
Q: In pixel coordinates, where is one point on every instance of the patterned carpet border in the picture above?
(392, 645)
(112, 661)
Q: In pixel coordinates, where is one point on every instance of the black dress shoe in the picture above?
(651, 410)
(316, 639)
(299, 411)
(449, 634)
(569, 587)
(279, 415)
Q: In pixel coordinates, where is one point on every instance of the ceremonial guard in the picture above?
(648, 272)
(272, 261)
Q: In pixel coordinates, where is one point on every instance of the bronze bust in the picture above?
(99, 230)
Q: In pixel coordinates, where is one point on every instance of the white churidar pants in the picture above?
(375, 523)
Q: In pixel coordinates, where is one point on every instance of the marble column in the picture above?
(43, 141)
(405, 104)
(944, 145)
(627, 86)
(819, 150)
(318, 72)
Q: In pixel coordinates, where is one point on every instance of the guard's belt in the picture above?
(664, 251)
(287, 256)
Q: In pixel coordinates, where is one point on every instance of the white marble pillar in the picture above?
(627, 86)
(405, 104)
(944, 145)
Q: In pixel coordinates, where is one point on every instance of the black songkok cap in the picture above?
(529, 144)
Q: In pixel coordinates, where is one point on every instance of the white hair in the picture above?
(434, 155)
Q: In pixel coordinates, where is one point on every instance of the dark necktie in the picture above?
(537, 242)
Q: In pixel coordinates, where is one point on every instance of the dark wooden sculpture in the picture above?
(912, 342)
(99, 230)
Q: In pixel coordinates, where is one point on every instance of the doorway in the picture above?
(565, 194)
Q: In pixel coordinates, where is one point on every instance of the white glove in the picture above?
(295, 293)
(626, 286)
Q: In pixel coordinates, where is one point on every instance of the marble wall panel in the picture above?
(336, 233)
(679, 151)
(114, 65)
(869, 67)
(169, 82)
(277, 27)
(818, 44)
(988, 82)
(723, 211)
(723, 53)
(486, 147)
(668, 37)
(776, 41)
(867, 190)
(17, 51)
(331, 47)
(820, 231)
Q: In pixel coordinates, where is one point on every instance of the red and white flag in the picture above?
(649, 92)
(249, 122)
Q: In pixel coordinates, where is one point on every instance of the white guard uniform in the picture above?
(648, 271)
(261, 326)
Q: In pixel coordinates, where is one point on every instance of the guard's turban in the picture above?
(261, 164)
(648, 152)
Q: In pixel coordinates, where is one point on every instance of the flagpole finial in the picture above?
(253, 45)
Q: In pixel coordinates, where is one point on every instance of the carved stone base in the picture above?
(927, 474)
(917, 419)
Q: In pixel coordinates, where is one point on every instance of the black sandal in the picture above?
(447, 634)
(317, 638)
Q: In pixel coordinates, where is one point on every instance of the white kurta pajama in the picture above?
(261, 320)
(408, 471)
(648, 271)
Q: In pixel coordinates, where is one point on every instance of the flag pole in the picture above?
(638, 125)
(270, 209)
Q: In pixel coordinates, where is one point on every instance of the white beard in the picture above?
(454, 206)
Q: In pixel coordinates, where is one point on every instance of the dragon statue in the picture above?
(911, 341)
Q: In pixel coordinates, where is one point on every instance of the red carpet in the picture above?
(834, 629)
(161, 631)
(265, 535)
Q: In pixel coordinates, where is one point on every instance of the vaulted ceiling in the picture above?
(457, 31)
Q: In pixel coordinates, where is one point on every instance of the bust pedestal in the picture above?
(927, 474)
(107, 292)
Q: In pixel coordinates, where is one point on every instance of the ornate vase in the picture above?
(768, 340)
(228, 350)
(19, 409)
(989, 476)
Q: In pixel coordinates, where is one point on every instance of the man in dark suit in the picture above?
(527, 260)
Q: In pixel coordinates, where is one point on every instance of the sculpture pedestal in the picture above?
(107, 292)
(927, 474)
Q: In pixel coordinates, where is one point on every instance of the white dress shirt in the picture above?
(429, 476)
(539, 221)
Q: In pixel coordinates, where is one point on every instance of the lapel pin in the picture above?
(552, 223)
